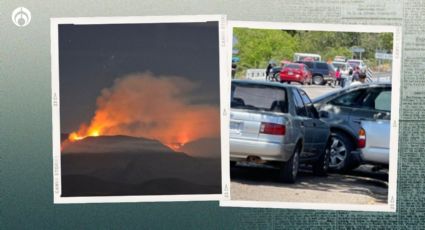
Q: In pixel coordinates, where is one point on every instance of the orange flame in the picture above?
(152, 107)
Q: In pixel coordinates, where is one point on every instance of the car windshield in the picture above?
(258, 97)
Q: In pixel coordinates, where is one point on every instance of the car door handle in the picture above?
(302, 123)
(357, 121)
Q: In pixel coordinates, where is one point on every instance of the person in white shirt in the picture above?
(362, 80)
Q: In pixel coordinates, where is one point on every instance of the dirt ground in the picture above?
(361, 186)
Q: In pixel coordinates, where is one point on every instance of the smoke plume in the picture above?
(153, 107)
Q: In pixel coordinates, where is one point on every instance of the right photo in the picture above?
(313, 121)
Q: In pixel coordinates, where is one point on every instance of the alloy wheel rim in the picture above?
(338, 153)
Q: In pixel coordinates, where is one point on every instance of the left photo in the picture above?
(136, 109)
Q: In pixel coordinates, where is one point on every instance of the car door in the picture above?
(376, 104)
(319, 129)
(341, 107)
(305, 123)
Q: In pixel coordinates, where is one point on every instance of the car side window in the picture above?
(350, 99)
(299, 105)
(322, 65)
(383, 101)
(311, 110)
(378, 99)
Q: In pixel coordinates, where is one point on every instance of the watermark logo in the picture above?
(21, 16)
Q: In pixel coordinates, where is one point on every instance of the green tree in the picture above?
(258, 46)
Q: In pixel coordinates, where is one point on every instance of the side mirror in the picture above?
(324, 114)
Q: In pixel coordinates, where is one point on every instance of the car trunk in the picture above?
(258, 112)
(249, 125)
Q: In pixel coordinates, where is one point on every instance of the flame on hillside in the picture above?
(158, 108)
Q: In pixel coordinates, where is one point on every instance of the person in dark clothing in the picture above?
(356, 74)
(268, 69)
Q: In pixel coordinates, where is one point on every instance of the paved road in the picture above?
(317, 90)
(261, 184)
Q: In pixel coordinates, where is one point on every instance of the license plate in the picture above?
(290, 73)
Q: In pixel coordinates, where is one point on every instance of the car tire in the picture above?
(276, 76)
(289, 170)
(340, 150)
(318, 80)
(321, 166)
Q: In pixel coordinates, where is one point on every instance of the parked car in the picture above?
(374, 142)
(277, 124)
(356, 62)
(344, 110)
(321, 72)
(296, 72)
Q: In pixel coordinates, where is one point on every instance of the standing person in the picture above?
(361, 80)
(268, 70)
(356, 73)
(338, 76)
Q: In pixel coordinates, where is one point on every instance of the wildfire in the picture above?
(76, 136)
(158, 108)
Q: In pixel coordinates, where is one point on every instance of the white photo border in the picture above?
(54, 24)
(395, 109)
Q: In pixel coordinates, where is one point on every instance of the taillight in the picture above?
(361, 142)
(272, 128)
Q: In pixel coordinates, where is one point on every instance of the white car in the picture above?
(356, 62)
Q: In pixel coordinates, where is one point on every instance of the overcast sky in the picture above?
(91, 57)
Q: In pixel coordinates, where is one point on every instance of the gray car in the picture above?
(277, 124)
(374, 142)
(344, 110)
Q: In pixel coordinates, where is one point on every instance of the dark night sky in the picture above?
(91, 57)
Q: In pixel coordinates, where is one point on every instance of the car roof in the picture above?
(295, 63)
(362, 86)
(263, 83)
(340, 62)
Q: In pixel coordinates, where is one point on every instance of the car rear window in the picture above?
(320, 65)
(259, 97)
(293, 66)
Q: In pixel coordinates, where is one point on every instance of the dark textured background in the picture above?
(26, 188)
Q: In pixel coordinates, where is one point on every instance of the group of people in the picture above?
(357, 77)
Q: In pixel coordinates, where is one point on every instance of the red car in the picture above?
(297, 72)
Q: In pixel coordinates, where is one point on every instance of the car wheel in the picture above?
(321, 166)
(289, 170)
(340, 149)
(276, 76)
(318, 80)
